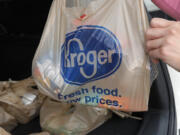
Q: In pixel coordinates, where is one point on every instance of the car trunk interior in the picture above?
(21, 26)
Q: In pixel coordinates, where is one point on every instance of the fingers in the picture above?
(160, 23)
(159, 28)
(154, 44)
(155, 37)
(154, 33)
(155, 54)
(163, 42)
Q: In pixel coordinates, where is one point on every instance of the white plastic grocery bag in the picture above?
(65, 119)
(92, 52)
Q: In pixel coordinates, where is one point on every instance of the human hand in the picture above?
(163, 42)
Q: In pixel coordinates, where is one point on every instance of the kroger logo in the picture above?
(90, 53)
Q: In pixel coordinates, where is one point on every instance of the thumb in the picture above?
(160, 23)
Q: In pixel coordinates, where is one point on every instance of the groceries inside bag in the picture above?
(20, 99)
(92, 52)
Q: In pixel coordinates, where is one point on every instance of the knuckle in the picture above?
(168, 40)
(148, 32)
(175, 26)
(153, 21)
(173, 31)
(178, 23)
(163, 52)
(148, 44)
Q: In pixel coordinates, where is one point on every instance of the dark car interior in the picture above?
(21, 26)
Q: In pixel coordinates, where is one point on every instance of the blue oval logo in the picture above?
(90, 53)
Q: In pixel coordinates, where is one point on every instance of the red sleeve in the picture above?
(171, 7)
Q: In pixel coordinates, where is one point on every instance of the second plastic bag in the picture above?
(66, 119)
(92, 52)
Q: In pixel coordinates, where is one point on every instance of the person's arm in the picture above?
(163, 42)
(171, 7)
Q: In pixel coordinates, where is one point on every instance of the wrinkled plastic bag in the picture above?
(21, 99)
(66, 119)
(92, 52)
(3, 132)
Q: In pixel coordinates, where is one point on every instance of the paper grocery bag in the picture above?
(21, 99)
